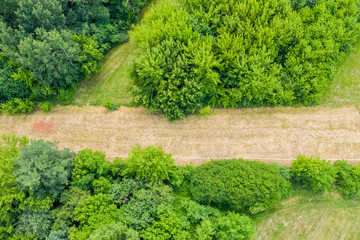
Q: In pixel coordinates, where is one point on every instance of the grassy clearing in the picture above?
(112, 82)
(327, 216)
(345, 87)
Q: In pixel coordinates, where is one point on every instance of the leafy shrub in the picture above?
(43, 169)
(37, 223)
(239, 185)
(89, 166)
(234, 226)
(111, 106)
(313, 173)
(16, 106)
(347, 178)
(114, 231)
(150, 163)
(205, 111)
(45, 107)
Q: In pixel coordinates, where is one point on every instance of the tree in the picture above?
(347, 178)
(117, 231)
(37, 223)
(313, 173)
(240, 185)
(43, 169)
(89, 166)
(53, 58)
(234, 226)
(150, 163)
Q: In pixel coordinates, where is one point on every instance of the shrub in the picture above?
(111, 106)
(313, 173)
(150, 163)
(234, 226)
(239, 185)
(89, 166)
(205, 111)
(45, 107)
(347, 178)
(43, 169)
(16, 106)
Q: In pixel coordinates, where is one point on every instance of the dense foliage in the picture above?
(240, 53)
(313, 173)
(48, 46)
(88, 197)
(238, 185)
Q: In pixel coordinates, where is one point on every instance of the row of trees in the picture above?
(53, 194)
(48, 46)
(240, 53)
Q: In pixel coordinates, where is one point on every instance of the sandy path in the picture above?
(268, 134)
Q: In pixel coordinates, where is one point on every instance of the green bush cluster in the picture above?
(48, 46)
(47, 193)
(240, 53)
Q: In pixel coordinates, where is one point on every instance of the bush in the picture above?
(45, 107)
(234, 226)
(313, 173)
(43, 169)
(111, 106)
(150, 163)
(16, 106)
(347, 178)
(239, 185)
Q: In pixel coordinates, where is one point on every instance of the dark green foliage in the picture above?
(37, 223)
(58, 42)
(240, 54)
(150, 163)
(145, 203)
(43, 169)
(347, 178)
(113, 231)
(61, 234)
(313, 173)
(121, 193)
(239, 185)
(89, 166)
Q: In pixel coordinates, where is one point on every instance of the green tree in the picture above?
(116, 231)
(347, 178)
(240, 185)
(37, 223)
(150, 163)
(234, 226)
(43, 169)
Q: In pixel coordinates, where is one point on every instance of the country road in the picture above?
(268, 134)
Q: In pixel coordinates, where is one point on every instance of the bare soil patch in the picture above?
(267, 134)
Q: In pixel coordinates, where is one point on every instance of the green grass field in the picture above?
(326, 217)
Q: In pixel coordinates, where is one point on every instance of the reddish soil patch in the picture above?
(42, 126)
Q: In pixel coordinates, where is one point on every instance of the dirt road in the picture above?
(264, 133)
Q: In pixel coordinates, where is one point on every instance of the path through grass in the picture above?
(325, 217)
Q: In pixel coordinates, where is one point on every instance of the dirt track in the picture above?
(267, 134)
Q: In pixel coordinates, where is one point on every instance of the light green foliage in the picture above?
(240, 54)
(37, 223)
(89, 166)
(245, 186)
(45, 107)
(69, 200)
(234, 226)
(91, 213)
(10, 196)
(43, 169)
(113, 231)
(348, 178)
(205, 230)
(16, 106)
(145, 203)
(101, 185)
(91, 53)
(315, 174)
(150, 163)
(167, 226)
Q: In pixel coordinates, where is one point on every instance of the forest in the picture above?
(47, 47)
(52, 193)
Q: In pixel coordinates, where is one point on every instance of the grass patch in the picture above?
(326, 216)
(345, 87)
(112, 82)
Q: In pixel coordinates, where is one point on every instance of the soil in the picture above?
(267, 134)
